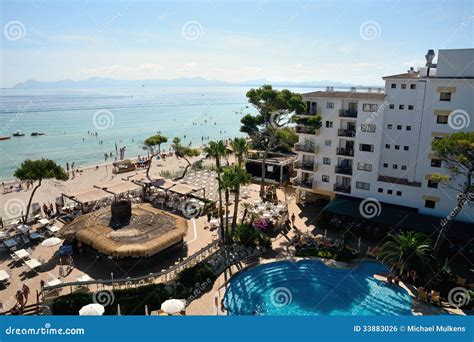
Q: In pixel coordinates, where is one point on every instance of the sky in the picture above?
(348, 41)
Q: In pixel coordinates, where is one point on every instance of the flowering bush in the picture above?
(263, 225)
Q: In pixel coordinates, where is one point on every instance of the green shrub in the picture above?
(198, 274)
(246, 235)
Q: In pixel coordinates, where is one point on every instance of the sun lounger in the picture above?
(435, 297)
(422, 295)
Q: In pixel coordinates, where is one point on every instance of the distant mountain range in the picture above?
(100, 82)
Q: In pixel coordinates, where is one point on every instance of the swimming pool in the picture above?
(308, 287)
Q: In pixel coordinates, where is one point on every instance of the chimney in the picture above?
(430, 55)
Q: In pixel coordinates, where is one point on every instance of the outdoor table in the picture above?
(4, 276)
(53, 229)
(44, 222)
(22, 254)
(10, 243)
(54, 282)
(32, 263)
(85, 277)
(34, 236)
(23, 228)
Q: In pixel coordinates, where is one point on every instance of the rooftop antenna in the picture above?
(430, 55)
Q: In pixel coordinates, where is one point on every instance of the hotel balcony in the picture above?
(348, 113)
(341, 132)
(302, 129)
(343, 169)
(306, 148)
(306, 166)
(306, 183)
(340, 151)
(342, 188)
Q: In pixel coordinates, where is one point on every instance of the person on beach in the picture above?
(293, 219)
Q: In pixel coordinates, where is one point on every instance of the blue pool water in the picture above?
(309, 287)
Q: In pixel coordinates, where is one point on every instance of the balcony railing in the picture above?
(346, 132)
(305, 148)
(302, 129)
(341, 151)
(342, 188)
(348, 113)
(306, 183)
(345, 170)
(308, 166)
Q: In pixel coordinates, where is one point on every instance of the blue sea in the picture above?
(70, 119)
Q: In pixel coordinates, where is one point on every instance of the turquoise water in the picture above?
(309, 287)
(127, 117)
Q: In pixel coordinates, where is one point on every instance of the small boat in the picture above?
(18, 134)
(34, 134)
(4, 138)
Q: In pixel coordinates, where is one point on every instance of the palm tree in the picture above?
(227, 184)
(217, 150)
(241, 177)
(37, 170)
(153, 145)
(407, 251)
(246, 207)
(240, 148)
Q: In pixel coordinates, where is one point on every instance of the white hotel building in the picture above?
(377, 144)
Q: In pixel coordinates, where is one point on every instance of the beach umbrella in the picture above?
(172, 306)
(92, 310)
(53, 241)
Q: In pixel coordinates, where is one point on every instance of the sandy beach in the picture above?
(13, 203)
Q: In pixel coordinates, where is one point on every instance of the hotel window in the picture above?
(442, 119)
(389, 191)
(363, 185)
(385, 165)
(389, 126)
(404, 167)
(314, 107)
(387, 146)
(328, 124)
(327, 142)
(406, 148)
(397, 147)
(410, 107)
(325, 178)
(380, 190)
(432, 184)
(445, 96)
(326, 161)
(369, 107)
(436, 162)
(364, 167)
(399, 127)
(404, 86)
(430, 204)
(408, 128)
(367, 128)
(401, 106)
(395, 166)
(412, 86)
(394, 85)
(330, 105)
(391, 106)
(366, 148)
(399, 193)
